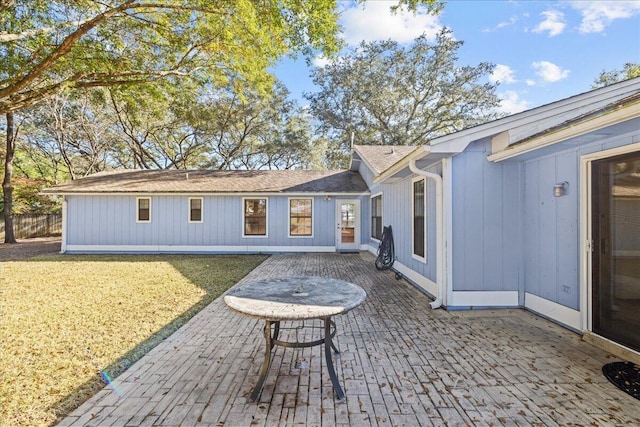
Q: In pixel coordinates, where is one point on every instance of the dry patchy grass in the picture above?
(64, 319)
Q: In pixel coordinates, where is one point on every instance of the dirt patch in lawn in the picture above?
(28, 248)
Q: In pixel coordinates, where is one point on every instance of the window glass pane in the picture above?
(195, 210)
(418, 219)
(255, 217)
(300, 214)
(376, 217)
(144, 211)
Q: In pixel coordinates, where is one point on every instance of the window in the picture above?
(255, 217)
(418, 218)
(376, 217)
(195, 209)
(300, 217)
(144, 209)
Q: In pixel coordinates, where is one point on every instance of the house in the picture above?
(539, 209)
(171, 211)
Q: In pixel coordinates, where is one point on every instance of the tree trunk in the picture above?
(7, 188)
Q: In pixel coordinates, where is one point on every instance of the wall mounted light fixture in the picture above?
(327, 197)
(560, 189)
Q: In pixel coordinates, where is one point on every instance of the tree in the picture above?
(71, 132)
(7, 187)
(49, 46)
(252, 129)
(383, 93)
(606, 78)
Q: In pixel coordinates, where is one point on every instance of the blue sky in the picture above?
(543, 50)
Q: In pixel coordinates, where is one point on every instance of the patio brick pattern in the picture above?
(401, 363)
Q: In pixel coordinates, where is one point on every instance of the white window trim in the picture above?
(253, 236)
(413, 249)
(138, 220)
(189, 210)
(373, 196)
(289, 218)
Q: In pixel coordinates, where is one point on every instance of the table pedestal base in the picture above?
(271, 340)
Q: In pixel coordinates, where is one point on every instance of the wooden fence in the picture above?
(34, 225)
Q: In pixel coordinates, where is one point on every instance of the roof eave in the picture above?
(418, 153)
(568, 131)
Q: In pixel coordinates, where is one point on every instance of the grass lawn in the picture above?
(65, 320)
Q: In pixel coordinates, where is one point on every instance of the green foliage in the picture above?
(52, 45)
(26, 197)
(383, 93)
(606, 78)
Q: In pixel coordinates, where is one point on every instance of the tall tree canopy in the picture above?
(385, 93)
(47, 45)
(606, 78)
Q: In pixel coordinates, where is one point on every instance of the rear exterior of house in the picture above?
(538, 210)
(213, 212)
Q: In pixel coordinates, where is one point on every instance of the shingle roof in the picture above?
(206, 181)
(381, 157)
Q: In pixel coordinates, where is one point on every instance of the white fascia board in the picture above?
(458, 141)
(571, 131)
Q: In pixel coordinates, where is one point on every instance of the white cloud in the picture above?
(549, 72)
(596, 15)
(321, 61)
(502, 74)
(530, 82)
(553, 23)
(502, 24)
(511, 103)
(375, 21)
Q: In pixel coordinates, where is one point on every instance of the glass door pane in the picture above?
(347, 222)
(616, 249)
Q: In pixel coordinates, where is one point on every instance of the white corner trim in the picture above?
(418, 279)
(484, 299)
(558, 312)
(196, 249)
(65, 215)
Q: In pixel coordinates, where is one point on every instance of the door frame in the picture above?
(586, 233)
(356, 238)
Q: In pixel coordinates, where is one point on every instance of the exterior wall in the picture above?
(397, 212)
(552, 234)
(366, 174)
(486, 222)
(552, 229)
(100, 221)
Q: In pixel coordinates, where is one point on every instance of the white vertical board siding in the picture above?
(105, 220)
(487, 237)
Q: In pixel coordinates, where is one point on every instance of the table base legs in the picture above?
(272, 340)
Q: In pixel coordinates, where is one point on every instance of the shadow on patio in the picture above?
(401, 363)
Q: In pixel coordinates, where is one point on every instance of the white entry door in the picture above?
(348, 229)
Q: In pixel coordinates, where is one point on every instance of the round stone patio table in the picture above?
(295, 299)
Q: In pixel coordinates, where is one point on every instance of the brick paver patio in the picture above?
(401, 363)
